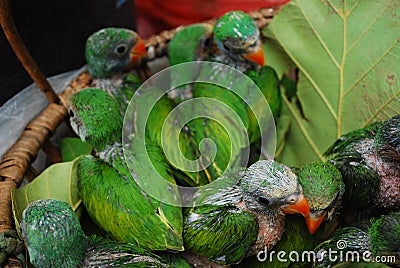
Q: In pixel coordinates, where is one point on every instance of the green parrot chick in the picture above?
(113, 50)
(53, 234)
(240, 220)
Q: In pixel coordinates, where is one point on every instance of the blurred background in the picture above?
(55, 31)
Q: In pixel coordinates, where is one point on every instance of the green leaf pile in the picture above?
(348, 55)
(59, 181)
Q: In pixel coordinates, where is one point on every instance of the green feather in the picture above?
(223, 234)
(387, 140)
(108, 253)
(223, 224)
(235, 25)
(322, 185)
(116, 203)
(53, 234)
(193, 42)
(352, 239)
(354, 136)
(385, 234)
(361, 180)
(95, 106)
(267, 81)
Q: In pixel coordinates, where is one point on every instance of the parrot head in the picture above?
(113, 50)
(323, 187)
(95, 117)
(237, 35)
(268, 185)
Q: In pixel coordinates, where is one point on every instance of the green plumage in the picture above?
(111, 195)
(387, 140)
(352, 239)
(193, 42)
(235, 25)
(267, 82)
(322, 186)
(53, 235)
(222, 233)
(368, 160)
(108, 253)
(385, 234)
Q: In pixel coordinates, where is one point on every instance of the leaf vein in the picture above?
(320, 38)
(383, 106)
(302, 128)
(368, 27)
(340, 13)
(371, 67)
(353, 7)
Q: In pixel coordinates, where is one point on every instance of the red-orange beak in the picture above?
(313, 223)
(301, 206)
(138, 51)
(257, 56)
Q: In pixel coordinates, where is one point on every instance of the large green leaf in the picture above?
(348, 55)
(59, 181)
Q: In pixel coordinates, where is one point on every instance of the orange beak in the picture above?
(300, 207)
(138, 51)
(314, 223)
(257, 56)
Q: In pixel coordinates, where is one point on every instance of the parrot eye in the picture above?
(207, 42)
(263, 200)
(71, 113)
(121, 49)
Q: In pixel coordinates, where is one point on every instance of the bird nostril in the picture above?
(292, 200)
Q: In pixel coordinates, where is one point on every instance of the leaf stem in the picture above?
(341, 71)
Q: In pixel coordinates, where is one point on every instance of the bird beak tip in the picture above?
(256, 57)
(314, 223)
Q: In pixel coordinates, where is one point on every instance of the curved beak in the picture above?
(313, 223)
(138, 51)
(256, 56)
(301, 206)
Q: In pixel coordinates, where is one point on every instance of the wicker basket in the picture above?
(16, 163)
